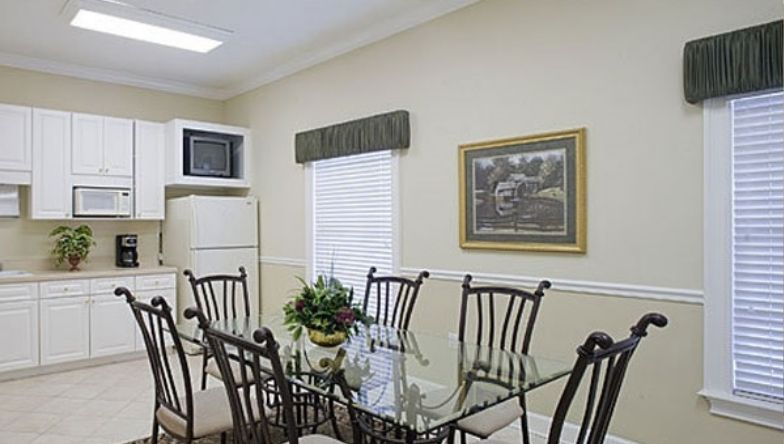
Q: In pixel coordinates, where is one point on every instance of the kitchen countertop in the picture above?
(87, 273)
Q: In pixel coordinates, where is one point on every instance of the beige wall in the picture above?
(507, 68)
(26, 240)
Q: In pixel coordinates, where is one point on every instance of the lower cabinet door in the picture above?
(112, 328)
(18, 335)
(146, 296)
(65, 329)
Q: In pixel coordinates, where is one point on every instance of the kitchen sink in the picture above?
(14, 273)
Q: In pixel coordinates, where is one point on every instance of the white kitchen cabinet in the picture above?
(112, 329)
(51, 196)
(18, 326)
(118, 147)
(87, 154)
(19, 330)
(16, 147)
(102, 146)
(65, 329)
(149, 170)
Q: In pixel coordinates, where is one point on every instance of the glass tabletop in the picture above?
(420, 381)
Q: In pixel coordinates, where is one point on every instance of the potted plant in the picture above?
(325, 310)
(72, 244)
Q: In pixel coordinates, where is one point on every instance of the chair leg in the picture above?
(450, 439)
(334, 420)
(463, 438)
(154, 438)
(524, 422)
(204, 355)
(223, 438)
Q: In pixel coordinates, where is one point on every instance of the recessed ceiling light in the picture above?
(124, 20)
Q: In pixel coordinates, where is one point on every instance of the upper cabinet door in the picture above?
(149, 170)
(118, 147)
(15, 138)
(51, 187)
(88, 140)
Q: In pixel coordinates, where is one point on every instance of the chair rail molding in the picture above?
(682, 295)
(283, 260)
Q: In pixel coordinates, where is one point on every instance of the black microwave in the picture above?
(207, 156)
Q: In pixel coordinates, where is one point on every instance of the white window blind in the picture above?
(352, 217)
(757, 278)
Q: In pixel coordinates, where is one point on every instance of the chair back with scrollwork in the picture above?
(390, 300)
(221, 296)
(499, 317)
(170, 371)
(245, 394)
(606, 361)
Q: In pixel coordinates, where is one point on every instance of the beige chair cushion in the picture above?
(212, 369)
(318, 439)
(211, 414)
(489, 421)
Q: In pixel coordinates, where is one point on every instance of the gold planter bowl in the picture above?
(320, 338)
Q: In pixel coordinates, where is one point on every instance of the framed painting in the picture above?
(524, 193)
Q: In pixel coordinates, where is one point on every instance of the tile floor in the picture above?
(105, 404)
(97, 405)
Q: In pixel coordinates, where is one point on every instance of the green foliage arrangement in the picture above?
(72, 244)
(324, 306)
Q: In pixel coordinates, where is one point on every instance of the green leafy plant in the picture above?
(324, 306)
(72, 244)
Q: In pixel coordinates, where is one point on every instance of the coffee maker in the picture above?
(125, 250)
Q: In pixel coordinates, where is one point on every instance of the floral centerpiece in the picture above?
(325, 309)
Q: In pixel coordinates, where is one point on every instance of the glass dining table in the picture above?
(419, 381)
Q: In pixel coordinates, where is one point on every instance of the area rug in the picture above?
(277, 434)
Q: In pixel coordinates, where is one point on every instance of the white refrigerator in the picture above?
(212, 235)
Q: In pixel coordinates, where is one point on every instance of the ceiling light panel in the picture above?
(125, 20)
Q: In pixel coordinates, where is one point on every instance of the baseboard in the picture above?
(68, 366)
(539, 428)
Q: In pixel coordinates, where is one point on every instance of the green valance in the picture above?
(388, 131)
(735, 62)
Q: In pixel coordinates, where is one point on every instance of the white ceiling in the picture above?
(272, 39)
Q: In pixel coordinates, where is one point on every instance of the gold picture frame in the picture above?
(527, 193)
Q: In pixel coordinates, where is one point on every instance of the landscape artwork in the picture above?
(524, 193)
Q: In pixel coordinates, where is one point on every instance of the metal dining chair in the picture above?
(503, 318)
(392, 297)
(181, 412)
(368, 428)
(245, 391)
(219, 297)
(599, 355)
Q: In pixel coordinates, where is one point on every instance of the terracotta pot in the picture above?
(327, 340)
(74, 262)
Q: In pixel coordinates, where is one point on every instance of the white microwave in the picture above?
(101, 202)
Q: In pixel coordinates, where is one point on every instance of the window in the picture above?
(757, 225)
(744, 257)
(353, 217)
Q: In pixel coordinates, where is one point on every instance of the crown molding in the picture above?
(110, 76)
(371, 35)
